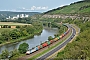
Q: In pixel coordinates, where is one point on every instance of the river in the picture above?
(34, 41)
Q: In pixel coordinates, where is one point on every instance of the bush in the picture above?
(50, 38)
(4, 54)
(23, 47)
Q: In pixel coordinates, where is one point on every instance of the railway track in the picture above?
(58, 47)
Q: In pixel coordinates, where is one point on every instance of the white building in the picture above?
(18, 16)
(21, 15)
(9, 17)
(14, 18)
(26, 15)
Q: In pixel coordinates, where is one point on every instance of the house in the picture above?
(13, 26)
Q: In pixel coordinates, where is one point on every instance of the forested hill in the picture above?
(10, 13)
(79, 49)
(81, 7)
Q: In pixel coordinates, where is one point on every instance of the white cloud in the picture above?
(23, 8)
(9, 10)
(34, 8)
(44, 7)
(38, 8)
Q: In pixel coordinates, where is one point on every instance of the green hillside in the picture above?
(76, 7)
(79, 49)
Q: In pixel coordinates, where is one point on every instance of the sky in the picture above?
(32, 5)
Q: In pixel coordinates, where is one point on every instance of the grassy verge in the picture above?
(76, 28)
(55, 54)
(77, 31)
(47, 50)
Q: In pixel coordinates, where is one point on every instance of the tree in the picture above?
(24, 33)
(15, 34)
(23, 47)
(56, 35)
(1, 39)
(30, 29)
(15, 53)
(87, 0)
(50, 38)
(5, 35)
(4, 54)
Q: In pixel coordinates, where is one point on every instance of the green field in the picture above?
(12, 23)
(5, 29)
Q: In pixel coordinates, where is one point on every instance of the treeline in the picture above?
(54, 23)
(87, 0)
(19, 20)
(28, 20)
(60, 26)
(4, 14)
(80, 48)
(84, 7)
(59, 8)
(26, 31)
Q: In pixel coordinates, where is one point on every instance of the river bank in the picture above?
(32, 42)
(22, 38)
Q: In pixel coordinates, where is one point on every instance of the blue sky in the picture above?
(32, 5)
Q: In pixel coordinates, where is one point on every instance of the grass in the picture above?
(5, 29)
(16, 57)
(9, 23)
(47, 50)
(12, 23)
(87, 10)
(17, 40)
(76, 27)
(73, 9)
(54, 56)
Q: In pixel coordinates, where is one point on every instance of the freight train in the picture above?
(47, 43)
